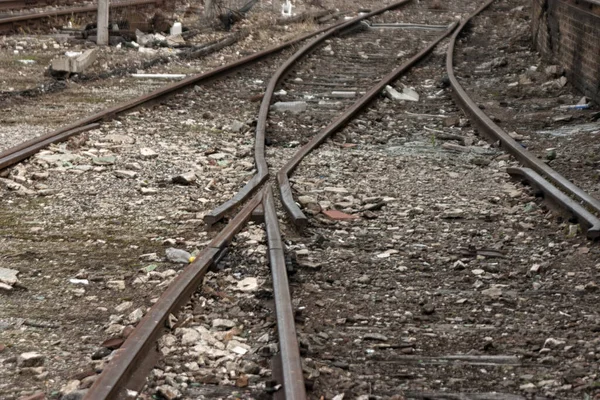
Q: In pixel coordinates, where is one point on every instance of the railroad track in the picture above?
(305, 81)
(29, 21)
(25, 4)
(115, 381)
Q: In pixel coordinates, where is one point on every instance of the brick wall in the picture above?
(567, 32)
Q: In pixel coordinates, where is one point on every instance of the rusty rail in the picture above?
(589, 223)
(489, 128)
(128, 365)
(9, 157)
(70, 10)
(24, 4)
(262, 172)
(289, 351)
(294, 212)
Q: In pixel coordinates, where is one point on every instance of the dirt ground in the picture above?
(451, 278)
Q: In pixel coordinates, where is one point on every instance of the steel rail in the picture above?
(72, 10)
(262, 170)
(589, 223)
(7, 157)
(489, 128)
(294, 212)
(123, 372)
(289, 351)
(33, 146)
(25, 4)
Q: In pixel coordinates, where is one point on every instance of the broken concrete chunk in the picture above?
(146, 153)
(144, 39)
(247, 284)
(407, 94)
(295, 107)
(75, 63)
(8, 276)
(168, 392)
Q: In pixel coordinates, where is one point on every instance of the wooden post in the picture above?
(102, 38)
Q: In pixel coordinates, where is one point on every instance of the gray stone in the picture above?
(375, 336)
(223, 324)
(185, 179)
(339, 190)
(135, 316)
(40, 176)
(88, 381)
(249, 367)
(121, 139)
(494, 292)
(123, 306)
(146, 153)
(100, 353)
(177, 255)
(75, 395)
(125, 174)
(117, 285)
(217, 156)
(295, 107)
(248, 284)
(190, 336)
(236, 126)
(106, 160)
(148, 191)
(305, 200)
(16, 187)
(30, 359)
(168, 392)
(528, 387)
(8, 276)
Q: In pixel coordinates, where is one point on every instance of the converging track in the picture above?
(433, 301)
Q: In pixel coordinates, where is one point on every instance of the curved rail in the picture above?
(294, 212)
(16, 154)
(488, 127)
(590, 224)
(262, 170)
